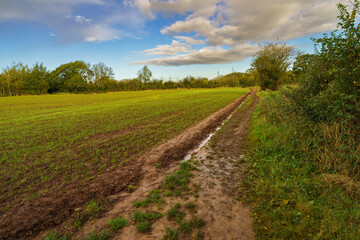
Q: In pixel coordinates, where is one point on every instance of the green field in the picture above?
(52, 140)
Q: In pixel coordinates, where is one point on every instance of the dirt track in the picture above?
(27, 220)
(222, 167)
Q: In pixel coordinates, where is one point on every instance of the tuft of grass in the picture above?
(178, 181)
(175, 213)
(186, 226)
(199, 235)
(105, 235)
(93, 207)
(168, 194)
(52, 235)
(118, 223)
(144, 227)
(191, 206)
(171, 234)
(154, 197)
(197, 222)
(143, 220)
(139, 216)
(131, 188)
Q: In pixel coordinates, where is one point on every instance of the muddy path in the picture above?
(214, 192)
(31, 219)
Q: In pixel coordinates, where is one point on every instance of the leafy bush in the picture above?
(329, 88)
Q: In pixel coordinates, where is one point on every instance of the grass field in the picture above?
(50, 140)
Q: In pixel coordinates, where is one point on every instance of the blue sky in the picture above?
(175, 38)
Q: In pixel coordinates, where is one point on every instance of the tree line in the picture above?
(80, 77)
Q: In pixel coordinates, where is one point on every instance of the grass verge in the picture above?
(303, 181)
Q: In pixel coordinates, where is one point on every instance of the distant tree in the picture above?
(101, 76)
(186, 82)
(37, 80)
(145, 75)
(70, 77)
(13, 79)
(271, 64)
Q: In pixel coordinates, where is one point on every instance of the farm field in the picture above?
(50, 141)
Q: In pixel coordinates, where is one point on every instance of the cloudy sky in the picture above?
(175, 38)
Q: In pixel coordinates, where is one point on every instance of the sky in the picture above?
(175, 38)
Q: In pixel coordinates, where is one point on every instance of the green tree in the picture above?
(13, 79)
(145, 75)
(271, 64)
(70, 77)
(102, 76)
(330, 86)
(37, 80)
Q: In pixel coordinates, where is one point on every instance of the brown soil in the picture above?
(215, 189)
(27, 220)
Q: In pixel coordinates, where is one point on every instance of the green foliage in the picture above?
(145, 75)
(329, 88)
(118, 223)
(70, 77)
(304, 179)
(81, 77)
(271, 64)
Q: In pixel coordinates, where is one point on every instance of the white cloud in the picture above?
(81, 19)
(199, 25)
(206, 55)
(175, 48)
(61, 17)
(101, 33)
(190, 40)
(201, 7)
(237, 23)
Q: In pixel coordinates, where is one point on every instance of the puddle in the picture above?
(206, 140)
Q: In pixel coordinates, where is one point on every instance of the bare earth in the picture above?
(221, 167)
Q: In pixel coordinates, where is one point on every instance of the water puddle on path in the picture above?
(205, 141)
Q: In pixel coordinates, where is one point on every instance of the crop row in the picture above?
(53, 140)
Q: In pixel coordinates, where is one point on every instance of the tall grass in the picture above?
(304, 177)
